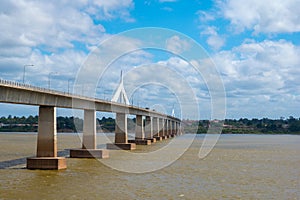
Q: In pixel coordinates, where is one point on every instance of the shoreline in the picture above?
(111, 133)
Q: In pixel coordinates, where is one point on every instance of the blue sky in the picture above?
(254, 45)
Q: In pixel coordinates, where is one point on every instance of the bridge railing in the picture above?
(47, 90)
(41, 89)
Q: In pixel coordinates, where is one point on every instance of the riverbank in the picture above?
(289, 125)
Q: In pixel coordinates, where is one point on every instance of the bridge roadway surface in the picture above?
(157, 125)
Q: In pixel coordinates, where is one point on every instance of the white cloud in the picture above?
(214, 40)
(263, 75)
(177, 45)
(268, 60)
(112, 9)
(52, 35)
(267, 16)
(205, 16)
(165, 86)
(54, 25)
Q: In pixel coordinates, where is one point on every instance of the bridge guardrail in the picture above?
(41, 89)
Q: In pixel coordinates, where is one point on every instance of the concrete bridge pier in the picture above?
(164, 129)
(121, 136)
(173, 128)
(156, 129)
(179, 129)
(139, 128)
(46, 157)
(89, 141)
(176, 128)
(140, 132)
(149, 129)
(167, 130)
(161, 128)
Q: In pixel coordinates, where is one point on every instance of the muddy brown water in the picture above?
(239, 167)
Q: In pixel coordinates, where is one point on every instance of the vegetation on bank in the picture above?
(63, 124)
(289, 125)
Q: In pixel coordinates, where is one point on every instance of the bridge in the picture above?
(151, 126)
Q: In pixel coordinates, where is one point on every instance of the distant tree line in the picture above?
(63, 124)
(289, 125)
(18, 124)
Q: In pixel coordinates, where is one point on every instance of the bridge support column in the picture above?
(139, 128)
(149, 129)
(46, 157)
(140, 132)
(164, 129)
(89, 140)
(121, 137)
(180, 129)
(156, 129)
(173, 128)
(167, 129)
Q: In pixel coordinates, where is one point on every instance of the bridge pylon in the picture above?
(120, 94)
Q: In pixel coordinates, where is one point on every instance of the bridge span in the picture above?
(150, 125)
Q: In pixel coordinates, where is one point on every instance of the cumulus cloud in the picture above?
(205, 16)
(263, 73)
(268, 16)
(111, 9)
(265, 62)
(171, 87)
(55, 25)
(177, 45)
(214, 40)
(52, 35)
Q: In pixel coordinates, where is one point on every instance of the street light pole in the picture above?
(49, 78)
(24, 72)
(69, 85)
(106, 94)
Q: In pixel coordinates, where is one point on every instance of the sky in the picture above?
(253, 45)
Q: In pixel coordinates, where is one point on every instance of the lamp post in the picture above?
(106, 92)
(49, 78)
(69, 85)
(135, 94)
(131, 98)
(24, 71)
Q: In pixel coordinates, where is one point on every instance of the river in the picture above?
(239, 167)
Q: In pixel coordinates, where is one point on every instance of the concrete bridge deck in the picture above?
(18, 93)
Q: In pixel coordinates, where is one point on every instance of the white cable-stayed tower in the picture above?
(120, 94)
(173, 111)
